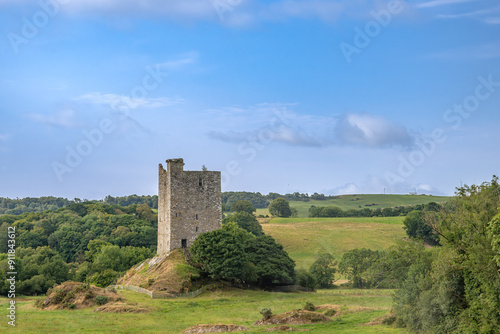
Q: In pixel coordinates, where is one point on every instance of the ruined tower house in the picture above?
(189, 203)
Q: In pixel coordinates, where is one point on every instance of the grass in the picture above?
(346, 202)
(233, 306)
(304, 238)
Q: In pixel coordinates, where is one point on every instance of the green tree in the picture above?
(221, 254)
(280, 208)
(323, 270)
(243, 206)
(246, 221)
(305, 279)
(355, 263)
(272, 263)
(459, 291)
(417, 228)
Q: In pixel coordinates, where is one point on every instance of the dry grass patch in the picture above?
(217, 328)
(120, 307)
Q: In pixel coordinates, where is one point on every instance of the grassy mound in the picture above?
(75, 295)
(167, 273)
(218, 328)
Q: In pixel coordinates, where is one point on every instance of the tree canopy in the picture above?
(246, 221)
(280, 208)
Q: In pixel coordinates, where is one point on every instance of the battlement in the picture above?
(189, 203)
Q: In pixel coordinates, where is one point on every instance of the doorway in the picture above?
(184, 243)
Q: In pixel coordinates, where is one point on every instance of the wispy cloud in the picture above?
(372, 131)
(63, 119)
(438, 3)
(180, 62)
(489, 15)
(360, 130)
(133, 103)
(236, 13)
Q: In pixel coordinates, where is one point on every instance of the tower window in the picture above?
(196, 216)
(196, 228)
(200, 183)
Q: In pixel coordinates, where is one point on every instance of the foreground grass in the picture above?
(346, 202)
(304, 238)
(240, 307)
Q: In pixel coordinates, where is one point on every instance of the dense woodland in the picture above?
(92, 242)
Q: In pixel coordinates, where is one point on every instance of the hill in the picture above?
(167, 273)
(304, 238)
(371, 201)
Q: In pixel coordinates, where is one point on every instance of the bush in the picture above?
(309, 307)
(330, 313)
(71, 306)
(266, 313)
(101, 300)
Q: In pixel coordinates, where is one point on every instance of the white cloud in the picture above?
(363, 130)
(132, 103)
(368, 130)
(226, 12)
(64, 119)
(438, 3)
(376, 185)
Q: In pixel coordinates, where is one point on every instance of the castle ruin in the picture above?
(189, 203)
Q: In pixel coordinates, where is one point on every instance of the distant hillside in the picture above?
(371, 201)
(304, 238)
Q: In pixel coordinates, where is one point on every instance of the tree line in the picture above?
(38, 204)
(335, 211)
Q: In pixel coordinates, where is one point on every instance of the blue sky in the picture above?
(281, 96)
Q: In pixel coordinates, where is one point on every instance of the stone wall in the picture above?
(189, 203)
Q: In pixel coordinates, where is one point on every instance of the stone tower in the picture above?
(189, 203)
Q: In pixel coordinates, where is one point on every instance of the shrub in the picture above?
(309, 307)
(101, 300)
(266, 313)
(71, 306)
(330, 313)
(59, 295)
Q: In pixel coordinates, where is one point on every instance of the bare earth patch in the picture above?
(284, 328)
(217, 328)
(296, 317)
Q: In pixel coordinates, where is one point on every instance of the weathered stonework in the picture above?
(189, 203)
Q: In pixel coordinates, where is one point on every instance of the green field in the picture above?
(240, 307)
(346, 202)
(303, 238)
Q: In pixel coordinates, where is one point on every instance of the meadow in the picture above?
(304, 238)
(233, 306)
